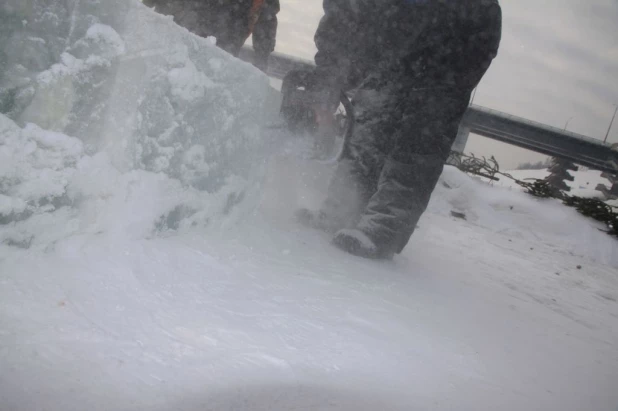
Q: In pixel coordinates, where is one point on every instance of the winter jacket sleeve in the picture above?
(265, 32)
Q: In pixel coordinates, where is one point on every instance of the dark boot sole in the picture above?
(354, 246)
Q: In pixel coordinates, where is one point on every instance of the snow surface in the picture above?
(584, 184)
(488, 313)
(149, 259)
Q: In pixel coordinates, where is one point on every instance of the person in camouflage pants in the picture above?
(413, 65)
(230, 21)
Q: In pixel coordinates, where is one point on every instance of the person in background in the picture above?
(230, 21)
(413, 65)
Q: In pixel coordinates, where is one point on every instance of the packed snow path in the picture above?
(268, 316)
(149, 259)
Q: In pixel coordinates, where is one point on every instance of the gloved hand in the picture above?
(327, 88)
(309, 101)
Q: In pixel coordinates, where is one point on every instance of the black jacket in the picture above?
(231, 22)
(436, 43)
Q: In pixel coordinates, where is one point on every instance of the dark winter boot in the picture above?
(319, 220)
(358, 243)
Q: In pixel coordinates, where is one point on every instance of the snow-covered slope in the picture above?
(128, 283)
(489, 313)
(116, 119)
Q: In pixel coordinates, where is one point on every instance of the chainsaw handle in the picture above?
(349, 129)
(298, 98)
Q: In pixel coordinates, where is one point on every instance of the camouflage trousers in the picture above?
(402, 139)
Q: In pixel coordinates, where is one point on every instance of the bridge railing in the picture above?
(540, 138)
(498, 126)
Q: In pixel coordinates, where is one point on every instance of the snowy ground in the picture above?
(584, 184)
(147, 262)
(489, 313)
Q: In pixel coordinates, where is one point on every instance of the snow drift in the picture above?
(114, 117)
(490, 312)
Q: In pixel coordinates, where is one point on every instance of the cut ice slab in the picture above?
(124, 122)
(129, 81)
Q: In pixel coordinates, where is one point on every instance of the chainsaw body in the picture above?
(307, 111)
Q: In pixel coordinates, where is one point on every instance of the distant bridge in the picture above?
(499, 126)
(539, 137)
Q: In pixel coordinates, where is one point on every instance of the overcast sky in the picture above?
(558, 59)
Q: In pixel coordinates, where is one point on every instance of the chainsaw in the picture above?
(301, 116)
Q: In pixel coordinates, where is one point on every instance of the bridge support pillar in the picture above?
(462, 139)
